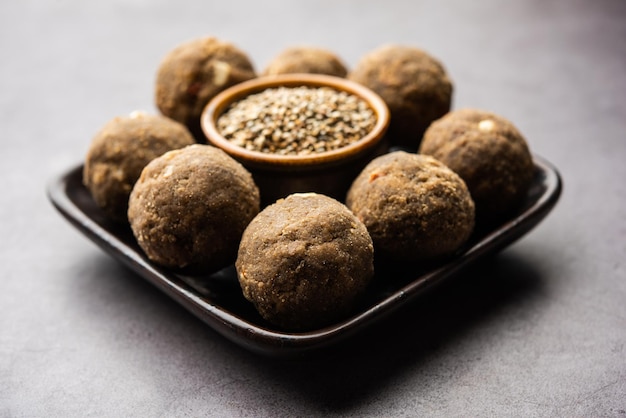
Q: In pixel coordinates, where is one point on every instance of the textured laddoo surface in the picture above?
(489, 153)
(304, 261)
(120, 150)
(414, 207)
(193, 73)
(414, 85)
(190, 207)
(306, 59)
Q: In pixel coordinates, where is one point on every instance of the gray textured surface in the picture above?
(539, 331)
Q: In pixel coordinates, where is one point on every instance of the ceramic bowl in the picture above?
(331, 172)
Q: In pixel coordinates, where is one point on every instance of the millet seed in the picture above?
(297, 120)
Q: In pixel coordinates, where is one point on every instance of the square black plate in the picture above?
(218, 301)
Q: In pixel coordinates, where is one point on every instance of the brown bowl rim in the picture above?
(216, 106)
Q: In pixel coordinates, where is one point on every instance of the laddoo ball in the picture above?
(304, 261)
(415, 208)
(306, 59)
(414, 85)
(190, 207)
(120, 150)
(489, 153)
(193, 73)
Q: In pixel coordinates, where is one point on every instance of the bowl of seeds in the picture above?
(298, 132)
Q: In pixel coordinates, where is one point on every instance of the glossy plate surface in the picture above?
(217, 299)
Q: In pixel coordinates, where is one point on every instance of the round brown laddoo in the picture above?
(304, 261)
(414, 207)
(120, 150)
(190, 207)
(489, 153)
(306, 59)
(193, 73)
(414, 85)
